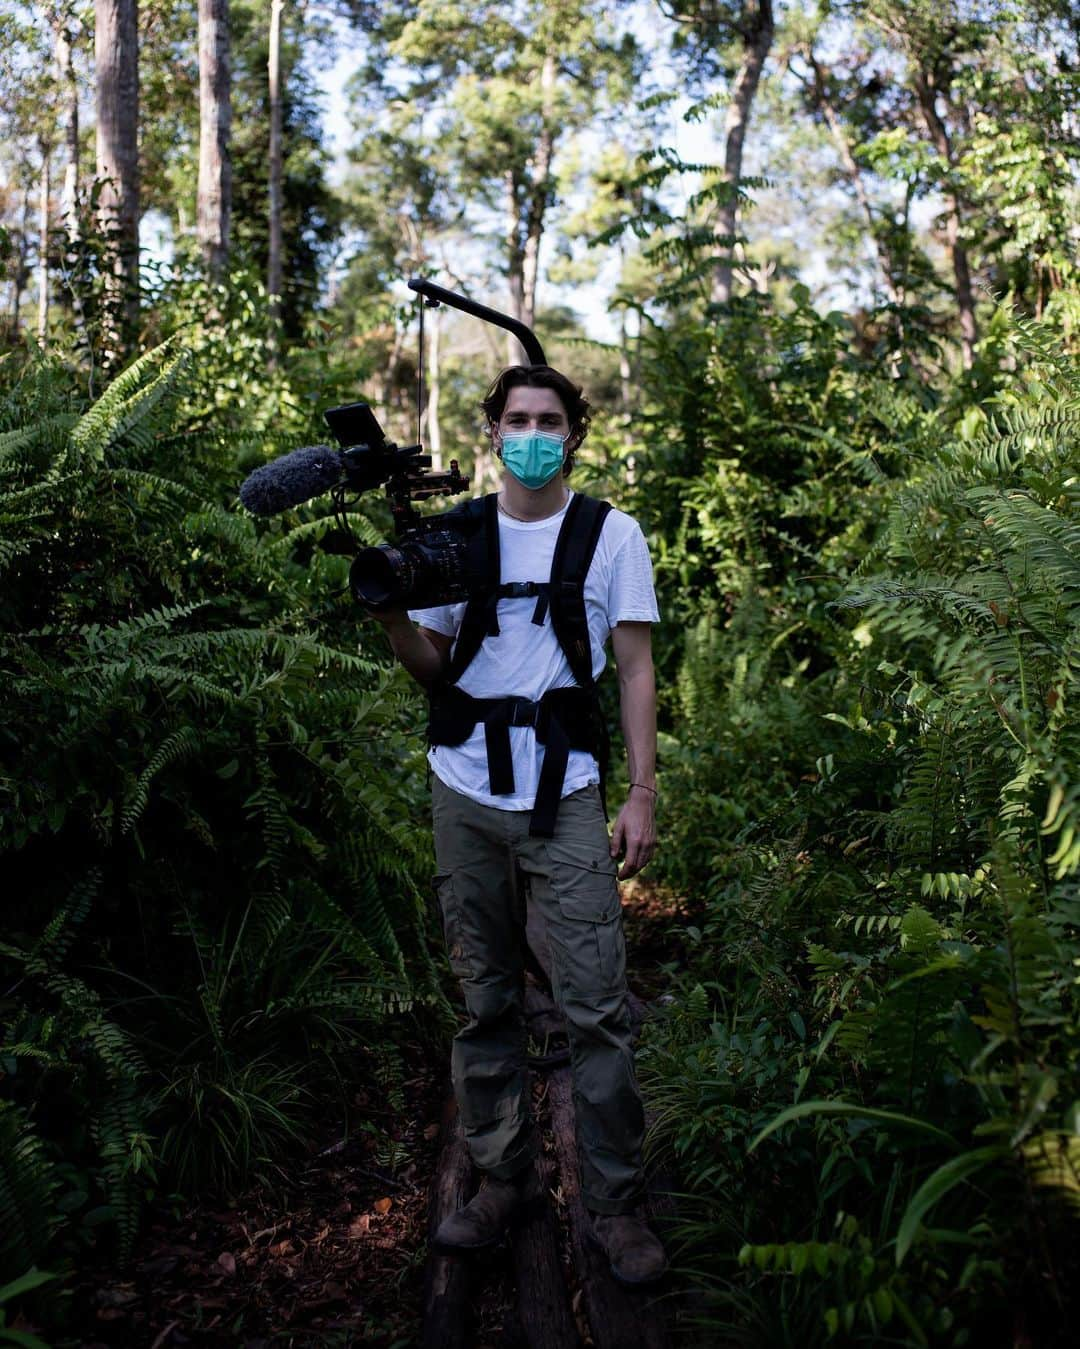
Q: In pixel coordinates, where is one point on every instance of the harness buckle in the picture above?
(522, 712)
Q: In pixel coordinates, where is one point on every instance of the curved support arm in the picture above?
(524, 335)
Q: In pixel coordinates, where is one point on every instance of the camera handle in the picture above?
(431, 296)
(440, 295)
(413, 480)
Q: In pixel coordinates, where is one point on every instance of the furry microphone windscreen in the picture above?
(292, 480)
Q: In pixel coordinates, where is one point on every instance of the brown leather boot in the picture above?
(485, 1218)
(635, 1253)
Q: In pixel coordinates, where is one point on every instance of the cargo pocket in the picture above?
(453, 927)
(591, 930)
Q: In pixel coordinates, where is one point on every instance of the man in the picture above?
(516, 751)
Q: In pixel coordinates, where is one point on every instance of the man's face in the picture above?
(529, 409)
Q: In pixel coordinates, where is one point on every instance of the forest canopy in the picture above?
(816, 268)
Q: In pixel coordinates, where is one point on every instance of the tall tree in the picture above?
(214, 200)
(756, 28)
(823, 95)
(721, 35)
(505, 89)
(962, 105)
(31, 117)
(171, 130)
(65, 24)
(273, 266)
(43, 242)
(933, 50)
(116, 67)
(404, 222)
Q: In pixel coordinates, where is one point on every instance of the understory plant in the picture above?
(215, 900)
(868, 1081)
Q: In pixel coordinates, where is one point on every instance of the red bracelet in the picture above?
(648, 789)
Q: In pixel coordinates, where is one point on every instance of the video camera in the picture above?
(427, 565)
(430, 564)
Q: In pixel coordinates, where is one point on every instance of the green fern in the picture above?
(29, 1184)
(126, 404)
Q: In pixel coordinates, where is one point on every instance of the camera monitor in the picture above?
(355, 424)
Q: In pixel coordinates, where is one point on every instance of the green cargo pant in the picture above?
(571, 877)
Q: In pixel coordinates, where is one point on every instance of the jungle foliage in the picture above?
(868, 1075)
(215, 905)
(864, 526)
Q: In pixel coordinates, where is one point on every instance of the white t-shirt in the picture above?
(526, 660)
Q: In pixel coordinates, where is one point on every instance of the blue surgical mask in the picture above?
(533, 457)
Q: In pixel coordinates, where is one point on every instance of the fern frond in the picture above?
(29, 1184)
(53, 944)
(182, 744)
(130, 398)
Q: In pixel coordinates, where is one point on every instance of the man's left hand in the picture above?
(635, 832)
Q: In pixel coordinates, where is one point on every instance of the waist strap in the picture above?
(563, 719)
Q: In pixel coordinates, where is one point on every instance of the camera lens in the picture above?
(376, 576)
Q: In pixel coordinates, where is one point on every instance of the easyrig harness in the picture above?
(565, 718)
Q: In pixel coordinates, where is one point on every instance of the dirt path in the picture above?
(334, 1251)
(561, 1294)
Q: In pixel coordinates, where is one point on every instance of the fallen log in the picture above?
(662, 1206)
(619, 1317)
(639, 1011)
(446, 1280)
(538, 953)
(545, 1320)
(542, 1017)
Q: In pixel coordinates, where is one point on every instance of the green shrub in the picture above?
(214, 875)
(881, 999)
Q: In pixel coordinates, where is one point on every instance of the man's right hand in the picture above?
(389, 618)
(422, 651)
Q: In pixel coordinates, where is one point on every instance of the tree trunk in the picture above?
(21, 269)
(927, 93)
(446, 1281)
(43, 245)
(273, 276)
(515, 265)
(396, 423)
(63, 25)
(544, 1315)
(757, 39)
(214, 200)
(854, 172)
(626, 396)
(620, 1318)
(116, 64)
(434, 430)
(539, 194)
(66, 29)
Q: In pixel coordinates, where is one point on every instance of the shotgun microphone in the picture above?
(293, 479)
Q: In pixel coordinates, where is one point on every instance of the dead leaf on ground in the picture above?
(120, 1296)
(162, 1264)
(227, 1261)
(164, 1335)
(383, 1205)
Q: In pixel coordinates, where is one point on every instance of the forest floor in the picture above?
(331, 1252)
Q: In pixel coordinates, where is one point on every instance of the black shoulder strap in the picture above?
(481, 615)
(574, 551)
